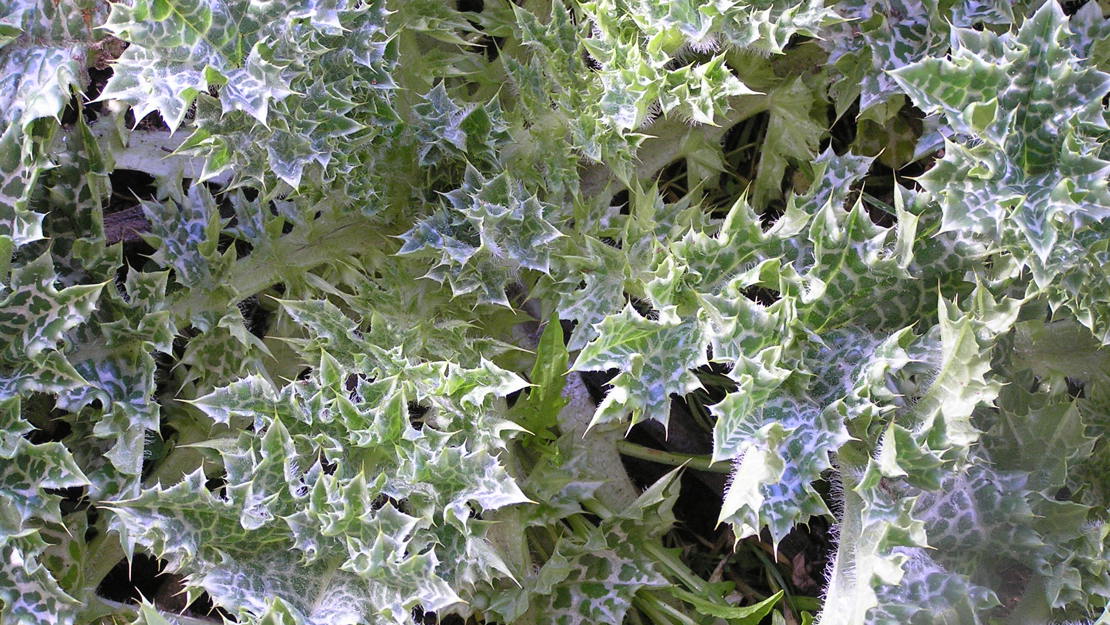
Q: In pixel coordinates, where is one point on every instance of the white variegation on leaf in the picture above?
(311, 388)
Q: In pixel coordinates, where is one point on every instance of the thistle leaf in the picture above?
(1032, 182)
(654, 357)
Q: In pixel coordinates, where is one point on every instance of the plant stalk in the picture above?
(656, 608)
(693, 461)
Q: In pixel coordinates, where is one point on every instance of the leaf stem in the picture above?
(660, 611)
(327, 239)
(675, 567)
(774, 576)
(643, 604)
(701, 463)
(104, 552)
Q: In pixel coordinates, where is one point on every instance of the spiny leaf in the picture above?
(28, 472)
(654, 358)
(34, 314)
(1032, 181)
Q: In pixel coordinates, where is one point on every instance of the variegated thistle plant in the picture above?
(304, 300)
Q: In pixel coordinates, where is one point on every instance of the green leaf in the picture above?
(287, 92)
(186, 234)
(592, 289)
(540, 409)
(1062, 349)
(747, 615)
(780, 437)
(189, 527)
(941, 415)
(29, 592)
(365, 548)
(190, 37)
(42, 45)
(594, 573)
(590, 582)
(877, 38)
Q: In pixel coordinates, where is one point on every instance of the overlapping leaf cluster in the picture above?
(312, 383)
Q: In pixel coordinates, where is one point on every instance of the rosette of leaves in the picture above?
(828, 380)
(335, 508)
(350, 458)
(292, 92)
(489, 230)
